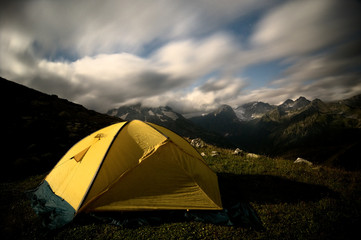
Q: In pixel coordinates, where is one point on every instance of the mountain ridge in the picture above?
(322, 132)
(166, 117)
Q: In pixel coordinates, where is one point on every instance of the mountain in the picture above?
(322, 132)
(256, 110)
(166, 117)
(39, 128)
(290, 105)
(328, 133)
(157, 115)
(353, 102)
(253, 110)
(223, 121)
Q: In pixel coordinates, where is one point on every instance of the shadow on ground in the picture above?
(265, 189)
(237, 192)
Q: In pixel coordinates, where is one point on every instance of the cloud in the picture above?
(208, 96)
(16, 57)
(106, 80)
(92, 27)
(318, 41)
(330, 75)
(91, 52)
(199, 100)
(303, 26)
(195, 58)
(106, 53)
(339, 61)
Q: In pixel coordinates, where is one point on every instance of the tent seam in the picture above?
(198, 156)
(186, 172)
(123, 175)
(100, 166)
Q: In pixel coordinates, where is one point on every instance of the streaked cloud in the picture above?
(191, 56)
(300, 27)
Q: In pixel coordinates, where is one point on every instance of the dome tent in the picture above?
(128, 166)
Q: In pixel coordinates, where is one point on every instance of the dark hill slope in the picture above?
(38, 129)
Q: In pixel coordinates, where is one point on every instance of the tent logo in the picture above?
(99, 136)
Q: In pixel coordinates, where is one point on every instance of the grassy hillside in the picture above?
(293, 201)
(39, 128)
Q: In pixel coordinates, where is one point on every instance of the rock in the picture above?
(238, 152)
(197, 143)
(252, 155)
(304, 161)
(214, 153)
(203, 154)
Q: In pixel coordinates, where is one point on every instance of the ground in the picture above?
(293, 201)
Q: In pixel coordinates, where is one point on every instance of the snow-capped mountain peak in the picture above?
(150, 114)
(252, 110)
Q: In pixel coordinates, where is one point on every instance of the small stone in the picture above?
(238, 152)
(252, 155)
(214, 153)
(304, 161)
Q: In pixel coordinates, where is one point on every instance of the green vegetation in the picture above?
(293, 201)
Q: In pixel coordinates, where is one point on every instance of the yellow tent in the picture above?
(128, 166)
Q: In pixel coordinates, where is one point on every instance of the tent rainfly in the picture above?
(128, 166)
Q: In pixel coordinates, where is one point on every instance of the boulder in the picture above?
(197, 143)
(238, 152)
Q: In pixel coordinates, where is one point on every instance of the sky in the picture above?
(190, 55)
